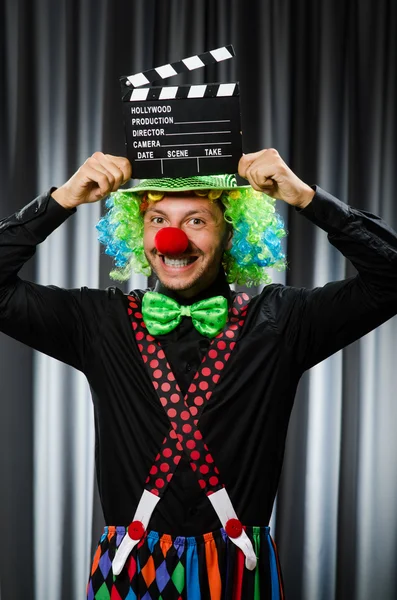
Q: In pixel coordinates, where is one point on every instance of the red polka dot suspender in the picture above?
(184, 435)
(184, 412)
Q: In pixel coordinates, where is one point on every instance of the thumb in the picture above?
(246, 161)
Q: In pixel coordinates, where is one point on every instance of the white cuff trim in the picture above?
(143, 513)
(224, 509)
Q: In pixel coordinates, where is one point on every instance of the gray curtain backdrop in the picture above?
(318, 82)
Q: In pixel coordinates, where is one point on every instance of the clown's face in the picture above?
(208, 235)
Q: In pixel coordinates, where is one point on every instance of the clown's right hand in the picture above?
(96, 178)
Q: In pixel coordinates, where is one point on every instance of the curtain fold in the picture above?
(318, 82)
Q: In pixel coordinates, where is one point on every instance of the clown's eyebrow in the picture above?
(188, 214)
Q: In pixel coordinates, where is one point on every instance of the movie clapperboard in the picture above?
(180, 131)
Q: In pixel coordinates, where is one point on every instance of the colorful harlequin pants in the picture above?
(206, 567)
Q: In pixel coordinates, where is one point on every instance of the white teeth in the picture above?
(176, 262)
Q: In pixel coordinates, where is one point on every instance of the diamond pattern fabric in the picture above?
(205, 567)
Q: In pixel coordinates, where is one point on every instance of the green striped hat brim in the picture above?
(187, 184)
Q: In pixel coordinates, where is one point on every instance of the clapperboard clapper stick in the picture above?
(180, 131)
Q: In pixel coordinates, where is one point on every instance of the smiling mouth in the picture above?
(178, 262)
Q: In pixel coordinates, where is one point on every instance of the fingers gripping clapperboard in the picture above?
(180, 131)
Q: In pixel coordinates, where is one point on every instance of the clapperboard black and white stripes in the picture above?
(170, 138)
(183, 66)
(182, 92)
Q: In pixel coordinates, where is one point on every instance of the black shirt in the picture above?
(287, 330)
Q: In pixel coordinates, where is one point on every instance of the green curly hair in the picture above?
(256, 243)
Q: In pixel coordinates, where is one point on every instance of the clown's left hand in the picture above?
(267, 172)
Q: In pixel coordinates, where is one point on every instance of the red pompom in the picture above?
(171, 241)
(233, 528)
(136, 530)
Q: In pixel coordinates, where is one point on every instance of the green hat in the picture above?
(187, 184)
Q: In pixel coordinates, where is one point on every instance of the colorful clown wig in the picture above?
(256, 242)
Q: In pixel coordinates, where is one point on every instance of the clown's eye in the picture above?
(196, 221)
(158, 220)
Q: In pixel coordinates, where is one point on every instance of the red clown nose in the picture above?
(171, 241)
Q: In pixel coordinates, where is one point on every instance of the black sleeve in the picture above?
(316, 323)
(49, 319)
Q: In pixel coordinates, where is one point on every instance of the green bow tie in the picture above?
(162, 314)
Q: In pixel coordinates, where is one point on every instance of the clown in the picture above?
(250, 230)
(193, 384)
